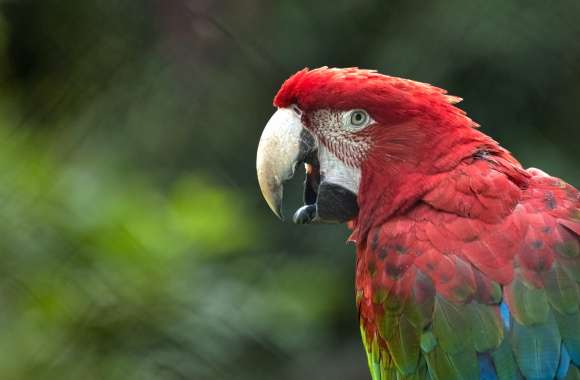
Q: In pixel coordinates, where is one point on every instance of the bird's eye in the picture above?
(359, 118)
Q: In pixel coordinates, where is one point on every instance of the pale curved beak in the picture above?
(284, 144)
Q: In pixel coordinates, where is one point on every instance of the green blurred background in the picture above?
(134, 240)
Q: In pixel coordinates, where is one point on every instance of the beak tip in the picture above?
(276, 207)
(272, 193)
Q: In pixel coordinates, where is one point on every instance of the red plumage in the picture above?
(464, 238)
(446, 215)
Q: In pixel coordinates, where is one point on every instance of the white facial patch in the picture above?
(335, 171)
(341, 146)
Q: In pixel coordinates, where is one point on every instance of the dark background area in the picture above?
(134, 241)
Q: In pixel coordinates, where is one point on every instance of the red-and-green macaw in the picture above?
(467, 264)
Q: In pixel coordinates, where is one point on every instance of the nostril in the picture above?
(296, 110)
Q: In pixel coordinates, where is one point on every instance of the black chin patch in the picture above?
(334, 204)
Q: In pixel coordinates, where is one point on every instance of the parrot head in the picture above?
(370, 143)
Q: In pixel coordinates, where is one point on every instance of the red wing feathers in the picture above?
(438, 276)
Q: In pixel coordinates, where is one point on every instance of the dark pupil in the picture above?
(358, 117)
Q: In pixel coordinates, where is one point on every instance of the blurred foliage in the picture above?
(135, 244)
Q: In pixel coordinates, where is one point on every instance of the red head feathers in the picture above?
(389, 99)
